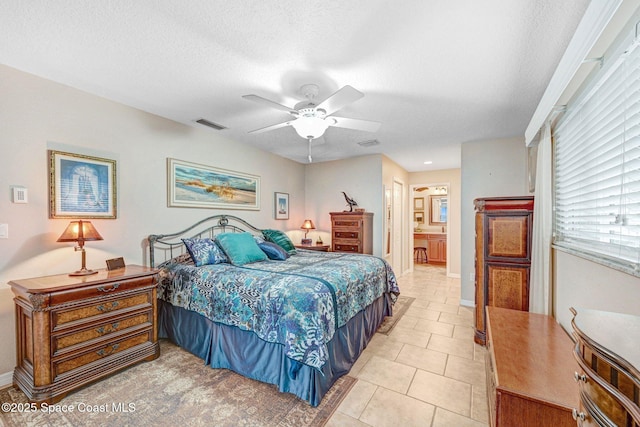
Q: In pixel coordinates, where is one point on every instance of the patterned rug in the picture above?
(399, 309)
(177, 389)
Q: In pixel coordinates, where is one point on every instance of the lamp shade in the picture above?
(308, 225)
(310, 127)
(80, 231)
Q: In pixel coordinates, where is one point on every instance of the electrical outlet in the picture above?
(471, 277)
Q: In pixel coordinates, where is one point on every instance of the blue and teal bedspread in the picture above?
(298, 303)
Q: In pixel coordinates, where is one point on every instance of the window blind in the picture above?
(597, 167)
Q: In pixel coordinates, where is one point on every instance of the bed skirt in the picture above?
(223, 346)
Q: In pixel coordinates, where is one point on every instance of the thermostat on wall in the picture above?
(20, 195)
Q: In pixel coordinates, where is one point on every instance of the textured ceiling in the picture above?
(435, 73)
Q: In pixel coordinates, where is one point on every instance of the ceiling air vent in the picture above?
(369, 143)
(210, 124)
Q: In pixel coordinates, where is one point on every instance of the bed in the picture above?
(299, 321)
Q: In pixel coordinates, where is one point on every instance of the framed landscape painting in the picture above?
(81, 186)
(194, 185)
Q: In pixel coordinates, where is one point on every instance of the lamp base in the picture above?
(83, 272)
(307, 242)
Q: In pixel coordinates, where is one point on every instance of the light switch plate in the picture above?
(4, 231)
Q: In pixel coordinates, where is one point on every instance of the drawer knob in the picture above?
(106, 308)
(578, 416)
(104, 352)
(579, 377)
(111, 289)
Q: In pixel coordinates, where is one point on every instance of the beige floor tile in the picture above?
(455, 319)
(479, 404)
(407, 322)
(422, 313)
(357, 399)
(463, 332)
(339, 419)
(362, 360)
(390, 409)
(457, 347)
(422, 358)
(441, 391)
(466, 370)
(416, 337)
(434, 327)
(444, 308)
(444, 418)
(383, 346)
(391, 375)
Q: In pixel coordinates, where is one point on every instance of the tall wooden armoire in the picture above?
(503, 256)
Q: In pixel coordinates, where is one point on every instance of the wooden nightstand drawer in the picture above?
(114, 326)
(101, 352)
(60, 318)
(102, 290)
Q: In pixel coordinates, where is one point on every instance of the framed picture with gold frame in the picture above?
(81, 186)
(418, 203)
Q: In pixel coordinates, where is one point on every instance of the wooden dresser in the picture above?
(352, 232)
(530, 370)
(74, 330)
(503, 256)
(608, 353)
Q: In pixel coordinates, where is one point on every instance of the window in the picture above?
(597, 167)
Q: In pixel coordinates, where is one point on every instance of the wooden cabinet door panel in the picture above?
(508, 237)
(505, 286)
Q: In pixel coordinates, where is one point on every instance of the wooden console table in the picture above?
(530, 370)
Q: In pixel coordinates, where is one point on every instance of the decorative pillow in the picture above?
(241, 248)
(273, 251)
(204, 251)
(281, 239)
(184, 258)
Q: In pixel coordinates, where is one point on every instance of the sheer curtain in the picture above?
(540, 286)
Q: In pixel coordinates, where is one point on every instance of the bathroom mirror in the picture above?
(438, 209)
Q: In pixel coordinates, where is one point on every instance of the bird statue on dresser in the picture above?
(350, 202)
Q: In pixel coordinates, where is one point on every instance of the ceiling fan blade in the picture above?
(357, 124)
(342, 97)
(270, 103)
(272, 127)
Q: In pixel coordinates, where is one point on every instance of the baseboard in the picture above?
(6, 379)
(467, 303)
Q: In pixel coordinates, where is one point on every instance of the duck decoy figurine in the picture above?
(350, 202)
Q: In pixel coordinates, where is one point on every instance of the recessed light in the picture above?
(428, 162)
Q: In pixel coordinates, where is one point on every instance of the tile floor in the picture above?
(427, 371)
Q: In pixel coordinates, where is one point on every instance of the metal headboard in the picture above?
(171, 245)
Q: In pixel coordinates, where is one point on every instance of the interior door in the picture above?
(398, 221)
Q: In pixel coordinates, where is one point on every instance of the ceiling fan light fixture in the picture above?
(309, 127)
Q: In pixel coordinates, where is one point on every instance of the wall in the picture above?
(38, 114)
(493, 168)
(452, 178)
(358, 177)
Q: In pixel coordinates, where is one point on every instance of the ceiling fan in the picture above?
(310, 120)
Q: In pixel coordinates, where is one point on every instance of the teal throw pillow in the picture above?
(280, 238)
(240, 248)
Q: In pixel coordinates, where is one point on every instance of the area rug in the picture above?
(399, 309)
(177, 389)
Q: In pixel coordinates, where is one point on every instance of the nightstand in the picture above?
(319, 248)
(71, 331)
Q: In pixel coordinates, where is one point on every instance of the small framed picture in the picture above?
(418, 203)
(418, 217)
(81, 186)
(281, 205)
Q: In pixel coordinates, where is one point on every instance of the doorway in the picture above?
(429, 224)
(398, 222)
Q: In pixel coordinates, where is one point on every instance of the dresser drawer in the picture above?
(104, 330)
(99, 353)
(102, 290)
(107, 306)
(346, 234)
(347, 222)
(346, 247)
